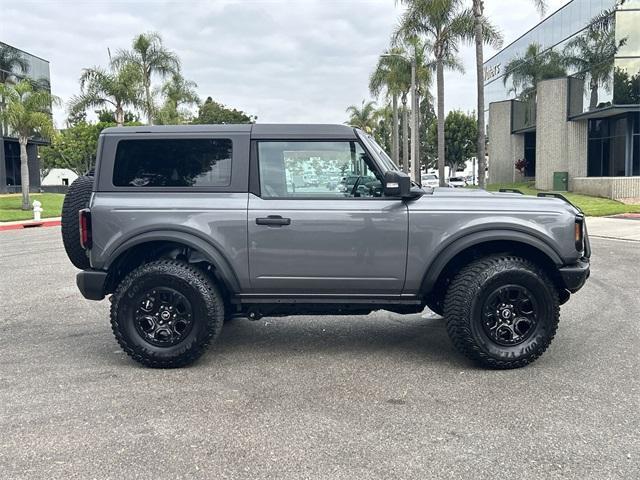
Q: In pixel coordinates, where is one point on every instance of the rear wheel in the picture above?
(502, 311)
(165, 313)
(76, 199)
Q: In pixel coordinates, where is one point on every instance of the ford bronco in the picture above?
(185, 227)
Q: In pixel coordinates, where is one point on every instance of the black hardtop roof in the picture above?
(258, 130)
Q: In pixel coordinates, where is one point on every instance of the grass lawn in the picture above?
(10, 206)
(591, 206)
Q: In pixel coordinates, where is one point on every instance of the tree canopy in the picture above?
(459, 139)
(363, 117)
(75, 147)
(212, 112)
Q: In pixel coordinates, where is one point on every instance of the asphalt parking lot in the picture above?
(379, 396)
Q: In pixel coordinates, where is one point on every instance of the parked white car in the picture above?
(429, 180)
(457, 182)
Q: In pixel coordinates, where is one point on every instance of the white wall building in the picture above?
(59, 176)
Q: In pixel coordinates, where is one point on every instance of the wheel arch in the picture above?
(164, 240)
(459, 252)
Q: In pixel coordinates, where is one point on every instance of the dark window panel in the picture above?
(173, 163)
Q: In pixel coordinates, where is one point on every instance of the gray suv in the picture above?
(186, 227)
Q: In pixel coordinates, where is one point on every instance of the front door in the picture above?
(320, 224)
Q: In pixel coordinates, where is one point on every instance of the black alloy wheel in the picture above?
(509, 315)
(164, 316)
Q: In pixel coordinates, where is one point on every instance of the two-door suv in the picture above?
(188, 226)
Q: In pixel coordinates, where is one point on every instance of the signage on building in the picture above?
(490, 72)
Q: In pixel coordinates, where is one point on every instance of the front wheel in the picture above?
(502, 311)
(164, 314)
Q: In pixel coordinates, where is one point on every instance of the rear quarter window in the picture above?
(173, 163)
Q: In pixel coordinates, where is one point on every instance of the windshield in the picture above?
(381, 156)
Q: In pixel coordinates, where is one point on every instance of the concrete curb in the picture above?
(45, 222)
(620, 228)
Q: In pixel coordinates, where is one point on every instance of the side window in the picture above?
(195, 162)
(299, 169)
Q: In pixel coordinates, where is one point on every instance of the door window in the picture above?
(196, 162)
(306, 169)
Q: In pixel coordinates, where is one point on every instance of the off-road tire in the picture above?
(195, 285)
(465, 300)
(76, 199)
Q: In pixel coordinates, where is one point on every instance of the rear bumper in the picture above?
(91, 284)
(574, 276)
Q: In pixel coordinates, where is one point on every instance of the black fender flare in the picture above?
(447, 253)
(211, 253)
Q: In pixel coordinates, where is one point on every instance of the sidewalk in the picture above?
(619, 228)
(45, 222)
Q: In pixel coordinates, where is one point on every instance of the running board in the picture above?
(249, 298)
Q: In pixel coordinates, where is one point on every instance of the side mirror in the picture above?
(397, 184)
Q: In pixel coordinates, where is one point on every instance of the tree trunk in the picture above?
(119, 115)
(417, 177)
(593, 101)
(440, 88)
(405, 136)
(480, 148)
(24, 172)
(147, 93)
(395, 133)
(415, 162)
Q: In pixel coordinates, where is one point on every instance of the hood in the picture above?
(470, 199)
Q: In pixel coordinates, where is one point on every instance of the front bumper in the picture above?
(574, 276)
(91, 284)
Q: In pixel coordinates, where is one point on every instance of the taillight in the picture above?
(579, 233)
(85, 228)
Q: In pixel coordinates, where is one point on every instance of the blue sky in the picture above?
(282, 60)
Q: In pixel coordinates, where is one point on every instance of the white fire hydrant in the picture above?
(37, 210)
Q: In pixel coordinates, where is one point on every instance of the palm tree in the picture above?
(150, 57)
(118, 87)
(444, 24)
(423, 83)
(177, 92)
(27, 113)
(392, 74)
(535, 65)
(591, 55)
(383, 132)
(364, 117)
(480, 39)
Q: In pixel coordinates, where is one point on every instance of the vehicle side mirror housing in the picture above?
(397, 184)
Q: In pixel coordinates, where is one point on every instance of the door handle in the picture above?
(273, 221)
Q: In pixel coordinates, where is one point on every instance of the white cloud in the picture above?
(285, 61)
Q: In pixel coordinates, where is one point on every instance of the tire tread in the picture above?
(76, 199)
(211, 296)
(458, 305)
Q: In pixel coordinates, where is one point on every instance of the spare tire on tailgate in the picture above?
(76, 199)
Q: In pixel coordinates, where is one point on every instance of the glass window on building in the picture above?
(12, 163)
(607, 149)
(626, 81)
(635, 138)
(627, 26)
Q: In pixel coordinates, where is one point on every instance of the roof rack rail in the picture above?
(510, 190)
(560, 196)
